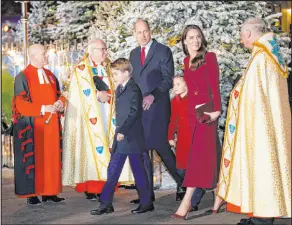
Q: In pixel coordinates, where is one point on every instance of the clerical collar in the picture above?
(35, 66)
(92, 63)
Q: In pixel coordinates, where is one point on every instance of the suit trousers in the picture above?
(168, 158)
(114, 170)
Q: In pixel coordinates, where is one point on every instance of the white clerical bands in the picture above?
(42, 76)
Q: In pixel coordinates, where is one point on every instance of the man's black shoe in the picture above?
(102, 210)
(91, 197)
(130, 187)
(180, 193)
(143, 209)
(33, 201)
(194, 208)
(137, 201)
(180, 189)
(179, 196)
(245, 222)
(53, 198)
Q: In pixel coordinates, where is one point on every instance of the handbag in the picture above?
(201, 116)
(207, 107)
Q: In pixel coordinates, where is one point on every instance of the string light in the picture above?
(6, 28)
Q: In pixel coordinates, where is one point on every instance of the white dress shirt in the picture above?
(124, 83)
(147, 47)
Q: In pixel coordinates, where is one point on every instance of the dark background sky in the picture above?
(9, 8)
(11, 11)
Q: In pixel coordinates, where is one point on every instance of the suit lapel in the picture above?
(150, 53)
(137, 57)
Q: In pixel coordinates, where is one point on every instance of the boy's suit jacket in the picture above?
(129, 120)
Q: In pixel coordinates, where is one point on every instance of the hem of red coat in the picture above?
(198, 186)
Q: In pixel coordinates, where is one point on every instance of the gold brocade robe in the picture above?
(89, 128)
(255, 172)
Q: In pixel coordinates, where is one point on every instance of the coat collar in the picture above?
(127, 84)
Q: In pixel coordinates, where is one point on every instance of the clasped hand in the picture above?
(172, 143)
(56, 107)
(120, 137)
(103, 96)
(213, 116)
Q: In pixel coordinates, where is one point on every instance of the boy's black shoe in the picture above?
(102, 210)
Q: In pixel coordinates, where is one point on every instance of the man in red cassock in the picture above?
(37, 102)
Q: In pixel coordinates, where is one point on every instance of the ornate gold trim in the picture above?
(230, 112)
(266, 50)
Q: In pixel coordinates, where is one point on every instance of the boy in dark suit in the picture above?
(129, 140)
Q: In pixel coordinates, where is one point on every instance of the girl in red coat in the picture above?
(179, 122)
(179, 125)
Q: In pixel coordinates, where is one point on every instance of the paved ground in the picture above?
(75, 210)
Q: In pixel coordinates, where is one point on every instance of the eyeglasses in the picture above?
(101, 49)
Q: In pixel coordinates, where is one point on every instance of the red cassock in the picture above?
(203, 86)
(179, 124)
(41, 154)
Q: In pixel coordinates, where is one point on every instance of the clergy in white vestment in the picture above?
(90, 124)
(255, 173)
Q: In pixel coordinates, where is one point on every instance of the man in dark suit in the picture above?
(153, 71)
(128, 142)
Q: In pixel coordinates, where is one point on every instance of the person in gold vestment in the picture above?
(89, 124)
(255, 173)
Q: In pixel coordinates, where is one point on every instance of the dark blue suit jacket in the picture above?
(129, 120)
(155, 77)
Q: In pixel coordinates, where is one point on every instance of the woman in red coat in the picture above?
(201, 73)
(179, 122)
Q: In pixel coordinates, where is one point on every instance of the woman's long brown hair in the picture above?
(200, 57)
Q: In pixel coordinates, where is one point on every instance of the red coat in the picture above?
(179, 124)
(203, 86)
